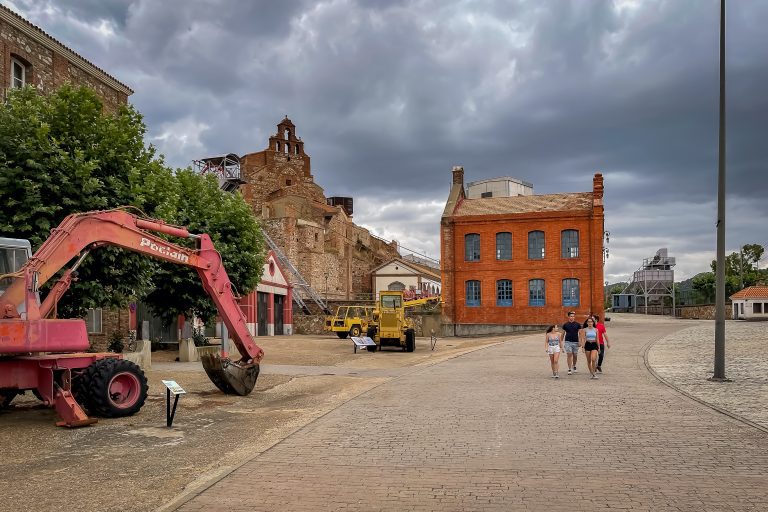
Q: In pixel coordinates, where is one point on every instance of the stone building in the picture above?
(520, 262)
(333, 254)
(32, 57)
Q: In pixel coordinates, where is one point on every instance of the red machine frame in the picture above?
(44, 354)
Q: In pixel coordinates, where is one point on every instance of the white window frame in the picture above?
(14, 64)
(94, 319)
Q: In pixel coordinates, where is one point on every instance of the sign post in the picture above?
(363, 343)
(172, 388)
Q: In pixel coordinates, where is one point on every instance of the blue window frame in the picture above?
(503, 246)
(473, 293)
(472, 247)
(503, 292)
(536, 245)
(570, 292)
(536, 290)
(569, 243)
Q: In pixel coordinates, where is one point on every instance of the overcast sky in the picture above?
(389, 95)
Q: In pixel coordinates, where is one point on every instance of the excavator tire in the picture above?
(112, 388)
(231, 377)
(6, 397)
(354, 331)
(410, 340)
(341, 335)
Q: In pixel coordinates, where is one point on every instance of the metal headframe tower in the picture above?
(226, 168)
(653, 281)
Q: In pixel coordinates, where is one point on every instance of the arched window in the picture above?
(503, 246)
(397, 285)
(473, 294)
(296, 149)
(570, 292)
(569, 243)
(503, 292)
(277, 147)
(536, 245)
(536, 295)
(472, 247)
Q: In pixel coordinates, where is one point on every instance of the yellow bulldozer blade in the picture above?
(231, 377)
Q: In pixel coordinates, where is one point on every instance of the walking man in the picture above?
(571, 330)
(602, 338)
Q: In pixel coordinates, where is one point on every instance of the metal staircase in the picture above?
(298, 282)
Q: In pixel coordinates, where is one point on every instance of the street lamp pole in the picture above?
(719, 370)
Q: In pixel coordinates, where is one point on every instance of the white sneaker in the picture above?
(569, 371)
(594, 377)
(557, 375)
(574, 369)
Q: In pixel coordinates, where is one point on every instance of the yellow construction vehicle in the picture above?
(389, 326)
(349, 320)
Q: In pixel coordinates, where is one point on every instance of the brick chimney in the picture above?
(458, 175)
(597, 186)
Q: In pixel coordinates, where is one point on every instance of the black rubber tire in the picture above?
(410, 340)
(341, 335)
(355, 331)
(93, 390)
(6, 397)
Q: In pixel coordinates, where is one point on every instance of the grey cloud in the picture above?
(389, 95)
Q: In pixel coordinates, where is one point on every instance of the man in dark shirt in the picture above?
(571, 329)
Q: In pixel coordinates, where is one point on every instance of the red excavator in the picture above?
(44, 354)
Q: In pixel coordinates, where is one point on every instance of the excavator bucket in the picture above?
(231, 377)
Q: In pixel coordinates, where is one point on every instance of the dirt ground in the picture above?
(138, 464)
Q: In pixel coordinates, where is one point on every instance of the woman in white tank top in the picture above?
(553, 345)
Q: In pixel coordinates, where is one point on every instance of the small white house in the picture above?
(751, 303)
(398, 274)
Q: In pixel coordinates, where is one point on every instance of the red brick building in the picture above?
(29, 56)
(511, 263)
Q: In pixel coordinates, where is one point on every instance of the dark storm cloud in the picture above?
(389, 95)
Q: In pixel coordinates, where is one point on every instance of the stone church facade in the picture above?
(334, 255)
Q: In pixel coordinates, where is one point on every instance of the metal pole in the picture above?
(719, 371)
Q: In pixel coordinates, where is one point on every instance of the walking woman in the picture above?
(589, 342)
(553, 344)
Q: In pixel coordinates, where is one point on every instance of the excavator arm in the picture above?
(120, 228)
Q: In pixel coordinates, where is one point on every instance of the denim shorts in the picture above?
(571, 347)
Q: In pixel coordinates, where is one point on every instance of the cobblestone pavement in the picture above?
(491, 431)
(686, 359)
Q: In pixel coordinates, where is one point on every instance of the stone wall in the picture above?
(702, 312)
(112, 320)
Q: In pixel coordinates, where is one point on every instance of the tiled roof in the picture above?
(37, 33)
(525, 204)
(752, 292)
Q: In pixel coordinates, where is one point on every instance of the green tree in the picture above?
(61, 153)
(741, 268)
(204, 208)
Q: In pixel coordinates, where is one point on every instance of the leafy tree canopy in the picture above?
(741, 270)
(61, 153)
